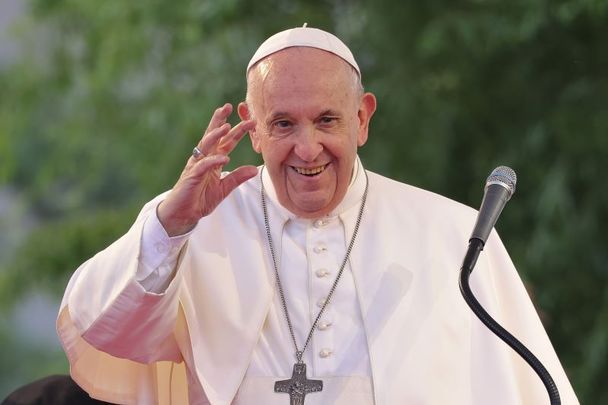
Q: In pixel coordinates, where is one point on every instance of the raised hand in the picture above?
(200, 188)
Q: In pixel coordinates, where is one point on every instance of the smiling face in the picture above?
(310, 117)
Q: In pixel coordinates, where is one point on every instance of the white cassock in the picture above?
(197, 318)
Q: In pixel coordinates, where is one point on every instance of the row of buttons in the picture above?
(320, 273)
(324, 325)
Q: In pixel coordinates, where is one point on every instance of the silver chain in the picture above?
(300, 353)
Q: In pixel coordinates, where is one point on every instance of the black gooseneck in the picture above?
(500, 186)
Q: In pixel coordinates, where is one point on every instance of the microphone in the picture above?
(499, 188)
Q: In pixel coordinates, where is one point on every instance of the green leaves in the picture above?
(108, 99)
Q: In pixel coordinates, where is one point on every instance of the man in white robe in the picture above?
(185, 307)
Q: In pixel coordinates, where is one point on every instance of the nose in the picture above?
(308, 146)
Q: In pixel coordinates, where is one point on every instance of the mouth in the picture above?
(310, 171)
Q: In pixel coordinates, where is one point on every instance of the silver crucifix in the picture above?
(298, 385)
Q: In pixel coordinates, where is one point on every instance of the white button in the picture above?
(322, 273)
(319, 223)
(324, 325)
(161, 247)
(324, 353)
(319, 249)
(321, 302)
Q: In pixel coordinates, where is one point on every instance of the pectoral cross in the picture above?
(298, 385)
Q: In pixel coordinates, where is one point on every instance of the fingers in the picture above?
(220, 115)
(215, 130)
(210, 163)
(219, 141)
(234, 136)
(223, 140)
(209, 142)
(215, 163)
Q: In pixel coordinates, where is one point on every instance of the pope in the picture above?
(309, 279)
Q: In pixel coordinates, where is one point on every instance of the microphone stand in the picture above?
(475, 246)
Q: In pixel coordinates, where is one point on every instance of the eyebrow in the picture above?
(284, 114)
(278, 114)
(330, 112)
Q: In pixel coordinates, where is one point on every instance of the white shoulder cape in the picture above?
(426, 347)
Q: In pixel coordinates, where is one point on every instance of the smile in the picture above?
(312, 171)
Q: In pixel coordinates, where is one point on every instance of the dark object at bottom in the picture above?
(51, 390)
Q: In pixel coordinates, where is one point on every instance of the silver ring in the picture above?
(196, 153)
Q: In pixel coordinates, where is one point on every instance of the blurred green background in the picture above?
(102, 101)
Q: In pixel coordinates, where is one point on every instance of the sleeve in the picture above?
(118, 336)
(159, 254)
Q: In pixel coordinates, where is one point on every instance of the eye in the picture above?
(282, 124)
(327, 121)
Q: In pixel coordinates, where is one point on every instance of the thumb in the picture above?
(237, 177)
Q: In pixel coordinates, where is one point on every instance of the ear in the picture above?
(245, 114)
(367, 107)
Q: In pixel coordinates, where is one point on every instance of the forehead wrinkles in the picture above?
(290, 64)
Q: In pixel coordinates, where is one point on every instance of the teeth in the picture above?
(311, 171)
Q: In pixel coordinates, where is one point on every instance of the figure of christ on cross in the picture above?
(298, 385)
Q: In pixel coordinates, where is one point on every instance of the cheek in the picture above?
(344, 147)
(275, 152)
(261, 144)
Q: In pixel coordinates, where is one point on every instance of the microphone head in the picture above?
(505, 177)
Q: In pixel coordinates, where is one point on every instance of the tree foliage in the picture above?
(103, 108)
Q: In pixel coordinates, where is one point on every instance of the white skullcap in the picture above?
(307, 37)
